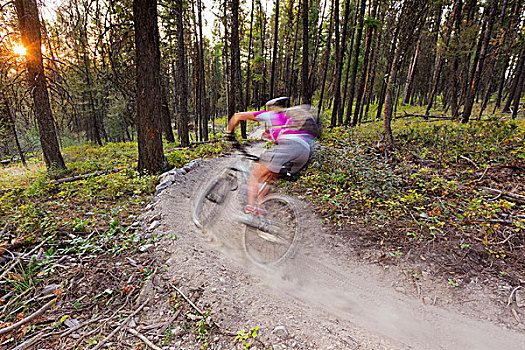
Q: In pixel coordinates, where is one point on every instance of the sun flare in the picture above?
(19, 50)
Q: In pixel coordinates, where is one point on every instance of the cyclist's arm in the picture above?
(237, 117)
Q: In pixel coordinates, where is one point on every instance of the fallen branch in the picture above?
(144, 339)
(28, 318)
(4, 229)
(470, 161)
(511, 197)
(31, 341)
(71, 179)
(482, 175)
(13, 264)
(101, 344)
(511, 294)
(426, 117)
(188, 300)
(85, 176)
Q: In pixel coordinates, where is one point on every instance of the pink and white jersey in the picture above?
(278, 125)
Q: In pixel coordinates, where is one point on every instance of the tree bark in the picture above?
(249, 62)
(326, 59)
(274, 52)
(337, 111)
(306, 93)
(364, 66)
(202, 79)
(455, 65)
(10, 121)
(410, 76)
(515, 82)
(181, 68)
(149, 100)
(29, 25)
(356, 61)
(469, 102)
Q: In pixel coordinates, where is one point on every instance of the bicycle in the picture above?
(267, 240)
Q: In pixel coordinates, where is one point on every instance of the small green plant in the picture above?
(245, 338)
(453, 283)
(202, 330)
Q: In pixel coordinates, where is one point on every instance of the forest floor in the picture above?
(334, 294)
(119, 273)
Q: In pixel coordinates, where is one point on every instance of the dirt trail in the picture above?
(324, 298)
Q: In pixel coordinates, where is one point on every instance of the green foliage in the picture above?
(245, 337)
(426, 188)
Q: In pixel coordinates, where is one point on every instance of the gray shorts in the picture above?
(287, 150)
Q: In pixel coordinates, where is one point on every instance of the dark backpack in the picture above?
(303, 119)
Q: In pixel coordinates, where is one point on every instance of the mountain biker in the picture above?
(291, 151)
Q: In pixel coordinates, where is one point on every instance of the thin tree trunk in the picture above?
(439, 63)
(338, 62)
(326, 59)
(29, 25)
(515, 82)
(10, 120)
(356, 61)
(249, 62)
(455, 65)
(181, 68)
(349, 60)
(306, 93)
(517, 96)
(202, 79)
(364, 66)
(274, 52)
(410, 76)
(469, 102)
(166, 117)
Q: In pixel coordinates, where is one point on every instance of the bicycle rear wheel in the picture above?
(211, 201)
(273, 238)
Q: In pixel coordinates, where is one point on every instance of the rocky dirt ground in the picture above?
(195, 290)
(331, 295)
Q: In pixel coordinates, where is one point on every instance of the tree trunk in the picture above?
(454, 109)
(469, 102)
(149, 100)
(29, 24)
(349, 60)
(326, 59)
(183, 87)
(515, 82)
(356, 61)
(338, 62)
(236, 100)
(249, 62)
(364, 66)
(166, 117)
(517, 96)
(410, 76)
(274, 52)
(439, 62)
(202, 79)
(10, 121)
(306, 93)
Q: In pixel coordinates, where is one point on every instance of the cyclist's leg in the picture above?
(259, 175)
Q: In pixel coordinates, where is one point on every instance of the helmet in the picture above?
(278, 102)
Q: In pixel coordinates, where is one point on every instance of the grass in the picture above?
(428, 191)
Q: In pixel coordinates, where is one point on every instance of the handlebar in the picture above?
(239, 147)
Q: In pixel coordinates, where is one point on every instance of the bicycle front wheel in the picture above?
(273, 238)
(211, 202)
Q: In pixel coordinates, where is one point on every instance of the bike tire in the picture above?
(212, 199)
(272, 248)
